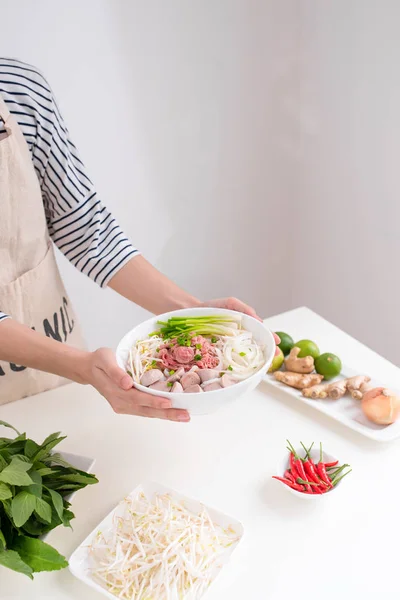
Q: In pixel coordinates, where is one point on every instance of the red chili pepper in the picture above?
(321, 470)
(302, 473)
(294, 486)
(314, 488)
(324, 488)
(331, 464)
(311, 472)
(292, 462)
(297, 465)
(287, 475)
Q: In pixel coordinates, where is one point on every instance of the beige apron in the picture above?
(31, 289)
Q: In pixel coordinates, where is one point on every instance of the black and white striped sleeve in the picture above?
(79, 224)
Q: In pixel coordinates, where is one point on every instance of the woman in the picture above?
(47, 197)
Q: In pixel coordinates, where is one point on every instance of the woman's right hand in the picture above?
(103, 373)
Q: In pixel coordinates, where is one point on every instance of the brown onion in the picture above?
(381, 406)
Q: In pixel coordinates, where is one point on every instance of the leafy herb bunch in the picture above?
(34, 485)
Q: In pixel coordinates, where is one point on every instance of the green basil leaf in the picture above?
(68, 486)
(7, 508)
(45, 450)
(22, 458)
(39, 555)
(51, 437)
(36, 488)
(35, 527)
(3, 462)
(7, 528)
(15, 473)
(12, 560)
(78, 478)
(45, 471)
(20, 465)
(58, 503)
(43, 510)
(67, 518)
(5, 492)
(15, 478)
(9, 426)
(31, 448)
(3, 542)
(58, 459)
(22, 507)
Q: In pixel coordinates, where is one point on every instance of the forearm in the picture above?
(23, 346)
(143, 284)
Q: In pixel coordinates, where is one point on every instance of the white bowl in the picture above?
(209, 402)
(284, 465)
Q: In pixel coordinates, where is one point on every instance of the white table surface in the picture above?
(344, 546)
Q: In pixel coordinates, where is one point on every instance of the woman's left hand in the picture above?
(239, 306)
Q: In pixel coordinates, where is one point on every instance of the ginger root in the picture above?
(358, 385)
(299, 365)
(317, 391)
(298, 380)
(355, 385)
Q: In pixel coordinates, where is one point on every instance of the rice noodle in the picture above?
(238, 354)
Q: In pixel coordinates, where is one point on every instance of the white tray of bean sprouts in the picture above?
(156, 544)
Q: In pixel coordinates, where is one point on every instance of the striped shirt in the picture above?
(79, 224)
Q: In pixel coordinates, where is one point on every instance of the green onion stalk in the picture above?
(178, 326)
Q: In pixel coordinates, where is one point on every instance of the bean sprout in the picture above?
(158, 550)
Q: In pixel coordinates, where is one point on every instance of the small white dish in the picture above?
(207, 403)
(80, 563)
(283, 465)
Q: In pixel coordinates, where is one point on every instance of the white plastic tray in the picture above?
(79, 563)
(346, 410)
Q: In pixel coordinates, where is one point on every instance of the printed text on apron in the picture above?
(31, 289)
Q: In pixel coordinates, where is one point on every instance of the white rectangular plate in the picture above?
(79, 563)
(345, 410)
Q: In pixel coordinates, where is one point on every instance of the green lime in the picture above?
(277, 362)
(307, 348)
(328, 365)
(287, 342)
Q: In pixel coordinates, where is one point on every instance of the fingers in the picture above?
(234, 304)
(108, 379)
(171, 414)
(240, 306)
(277, 341)
(149, 401)
(105, 360)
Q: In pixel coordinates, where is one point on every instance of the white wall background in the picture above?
(178, 111)
(348, 217)
(248, 147)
